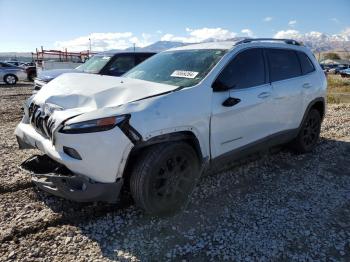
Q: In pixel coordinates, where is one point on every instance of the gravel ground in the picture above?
(278, 207)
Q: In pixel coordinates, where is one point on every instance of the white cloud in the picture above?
(199, 35)
(122, 40)
(345, 34)
(292, 23)
(287, 34)
(247, 32)
(104, 41)
(267, 19)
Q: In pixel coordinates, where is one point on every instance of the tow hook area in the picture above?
(58, 180)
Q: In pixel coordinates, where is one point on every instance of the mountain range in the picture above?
(316, 41)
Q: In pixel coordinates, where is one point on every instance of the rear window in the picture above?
(283, 64)
(306, 65)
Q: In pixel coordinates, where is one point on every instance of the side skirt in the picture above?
(261, 146)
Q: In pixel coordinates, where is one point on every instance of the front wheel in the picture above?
(10, 79)
(309, 133)
(164, 177)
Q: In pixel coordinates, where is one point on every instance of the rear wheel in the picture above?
(309, 133)
(10, 79)
(164, 177)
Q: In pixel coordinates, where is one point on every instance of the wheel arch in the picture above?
(319, 104)
(186, 136)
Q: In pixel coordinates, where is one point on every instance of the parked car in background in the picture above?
(15, 62)
(335, 69)
(328, 67)
(345, 72)
(156, 128)
(106, 63)
(28, 66)
(340, 68)
(11, 74)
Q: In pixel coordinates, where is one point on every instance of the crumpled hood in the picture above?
(48, 75)
(88, 92)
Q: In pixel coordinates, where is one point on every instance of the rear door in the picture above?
(311, 80)
(241, 115)
(287, 84)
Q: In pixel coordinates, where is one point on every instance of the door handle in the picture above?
(231, 101)
(307, 85)
(264, 95)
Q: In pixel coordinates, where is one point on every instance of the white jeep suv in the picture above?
(160, 125)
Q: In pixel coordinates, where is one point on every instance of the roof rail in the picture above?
(287, 41)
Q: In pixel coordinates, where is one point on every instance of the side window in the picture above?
(283, 64)
(4, 65)
(247, 69)
(306, 65)
(142, 57)
(121, 65)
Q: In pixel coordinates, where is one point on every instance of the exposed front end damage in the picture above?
(56, 179)
(89, 124)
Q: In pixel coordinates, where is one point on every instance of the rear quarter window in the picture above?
(306, 65)
(283, 63)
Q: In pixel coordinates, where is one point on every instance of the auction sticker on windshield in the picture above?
(184, 74)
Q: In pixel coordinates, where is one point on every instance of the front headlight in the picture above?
(96, 125)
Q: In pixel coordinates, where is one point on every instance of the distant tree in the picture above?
(333, 56)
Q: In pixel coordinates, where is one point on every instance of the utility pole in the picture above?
(90, 46)
(134, 47)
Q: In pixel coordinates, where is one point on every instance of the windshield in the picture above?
(94, 64)
(179, 68)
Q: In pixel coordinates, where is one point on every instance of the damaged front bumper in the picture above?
(56, 179)
(103, 156)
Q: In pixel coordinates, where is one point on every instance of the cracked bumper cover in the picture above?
(97, 177)
(103, 155)
(78, 188)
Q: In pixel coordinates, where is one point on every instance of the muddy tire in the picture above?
(164, 177)
(309, 133)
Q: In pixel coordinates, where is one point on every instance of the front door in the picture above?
(241, 115)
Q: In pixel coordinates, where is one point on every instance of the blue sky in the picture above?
(27, 24)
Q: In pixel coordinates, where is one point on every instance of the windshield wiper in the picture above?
(159, 94)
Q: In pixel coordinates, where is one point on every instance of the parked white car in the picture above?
(171, 117)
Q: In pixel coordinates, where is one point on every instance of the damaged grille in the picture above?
(41, 120)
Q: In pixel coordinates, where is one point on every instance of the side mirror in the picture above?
(219, 86)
